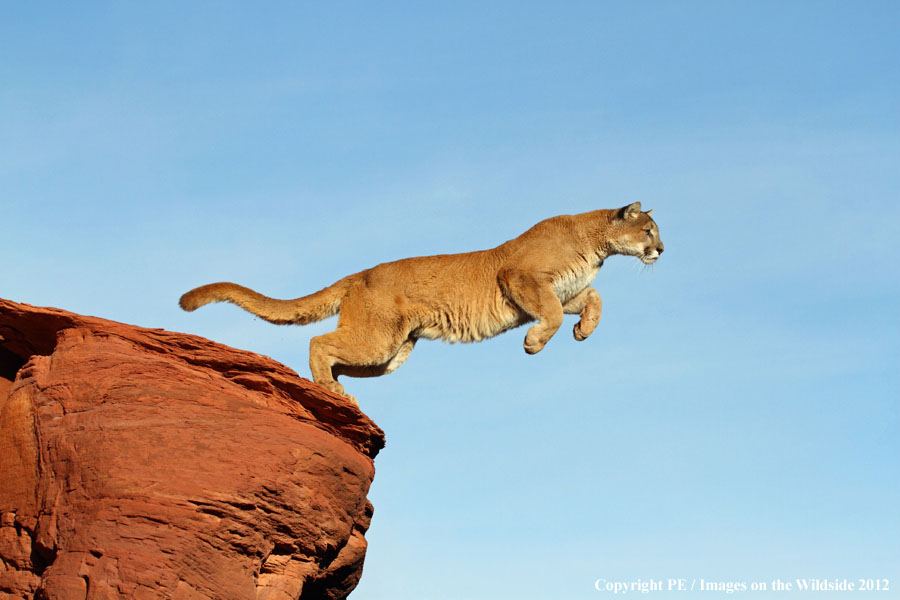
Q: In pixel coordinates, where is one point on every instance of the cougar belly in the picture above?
(572, 283)
(474, 322)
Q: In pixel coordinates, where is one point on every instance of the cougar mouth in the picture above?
(649, 257)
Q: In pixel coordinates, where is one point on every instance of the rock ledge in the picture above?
(142, 463)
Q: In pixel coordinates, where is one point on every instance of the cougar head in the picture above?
(635, 233)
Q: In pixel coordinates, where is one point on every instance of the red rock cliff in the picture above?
(140, 463)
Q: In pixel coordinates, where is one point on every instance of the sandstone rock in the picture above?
(140, 463)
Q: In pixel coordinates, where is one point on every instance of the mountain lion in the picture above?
(538, 276)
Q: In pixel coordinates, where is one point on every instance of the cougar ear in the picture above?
(630, 212)
(650, 213)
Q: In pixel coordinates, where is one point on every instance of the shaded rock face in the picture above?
(139, 463)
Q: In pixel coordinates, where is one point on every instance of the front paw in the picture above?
(579, 334)
(533, 346)
(582, 330)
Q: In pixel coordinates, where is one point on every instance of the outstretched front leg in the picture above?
(534, 295)
(589, 306)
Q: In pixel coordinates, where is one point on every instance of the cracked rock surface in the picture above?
(141, 463)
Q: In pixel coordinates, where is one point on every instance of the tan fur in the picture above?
(538, 276)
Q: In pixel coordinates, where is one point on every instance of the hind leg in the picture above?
(382, 369)
(589, 306)
(371, 334)
(346, 351)
(402, 354)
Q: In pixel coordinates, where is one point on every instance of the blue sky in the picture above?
(735, 415)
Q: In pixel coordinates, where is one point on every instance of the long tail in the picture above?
(299, 311)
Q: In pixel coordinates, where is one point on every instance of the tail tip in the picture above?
(189, 302)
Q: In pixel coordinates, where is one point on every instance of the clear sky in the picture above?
(735, 415)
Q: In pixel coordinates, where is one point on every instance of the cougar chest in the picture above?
(571, 283)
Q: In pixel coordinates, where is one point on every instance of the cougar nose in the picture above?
(660, 249)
